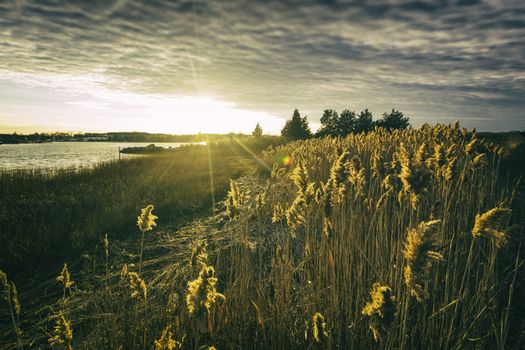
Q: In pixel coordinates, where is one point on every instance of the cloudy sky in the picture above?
(215, 66)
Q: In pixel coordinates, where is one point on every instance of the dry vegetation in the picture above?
(388, 240)
(47, 217)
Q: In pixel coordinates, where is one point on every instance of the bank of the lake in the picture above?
(47, 216)
(65, 155)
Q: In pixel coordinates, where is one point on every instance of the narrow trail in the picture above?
(166, 249)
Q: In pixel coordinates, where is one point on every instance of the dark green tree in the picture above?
(258, 131)
(346, 124)
(296, 128)
(329, 124)
(363, 122)
(393, 120)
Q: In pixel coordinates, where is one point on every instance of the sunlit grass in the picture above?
(391, 240)
(49, 216)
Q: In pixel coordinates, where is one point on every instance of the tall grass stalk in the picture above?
(389, 240)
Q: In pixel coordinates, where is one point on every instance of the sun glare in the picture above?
(190, 114)
(97, 103)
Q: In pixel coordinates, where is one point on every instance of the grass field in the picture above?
(48, 217)
(393, 240)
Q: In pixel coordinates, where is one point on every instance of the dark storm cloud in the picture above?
(435, 60)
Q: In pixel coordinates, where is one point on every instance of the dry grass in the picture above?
(385, 240)
(48, 217)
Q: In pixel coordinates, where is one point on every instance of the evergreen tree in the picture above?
(393, 120)
(296, 128)
(258, 131)
(346, 123)
(363, 122)
(329, 123)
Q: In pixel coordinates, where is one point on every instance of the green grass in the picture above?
(46, 218)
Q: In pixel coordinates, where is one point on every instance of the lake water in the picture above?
(60, 155)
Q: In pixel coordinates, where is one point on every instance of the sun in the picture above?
(191, 114)
(97, 103)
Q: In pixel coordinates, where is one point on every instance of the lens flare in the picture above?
(286, 160)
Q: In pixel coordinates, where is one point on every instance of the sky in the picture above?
(217, 66)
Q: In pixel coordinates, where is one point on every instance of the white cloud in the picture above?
(428, 60)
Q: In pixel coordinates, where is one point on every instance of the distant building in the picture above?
(99, 137)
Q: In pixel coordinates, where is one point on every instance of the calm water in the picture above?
(60, 155)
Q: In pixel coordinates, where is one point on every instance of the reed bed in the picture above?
(388, 240)
(46, 217)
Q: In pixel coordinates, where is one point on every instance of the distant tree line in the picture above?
(49, 137)
(113, 137)
(348, 122)
(296, 128)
